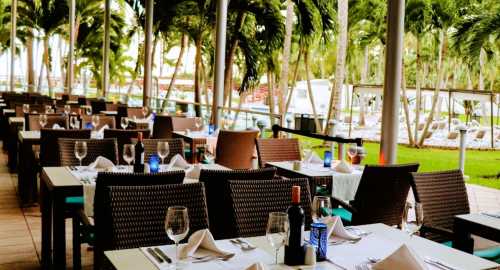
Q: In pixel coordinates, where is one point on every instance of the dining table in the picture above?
(486, 225)
(379, 242)
(57, 184)
(342, 185)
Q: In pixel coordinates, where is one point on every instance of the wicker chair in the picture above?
(162, 127)
(124, 137)
(277, 150)
(235, 149)
(254, 200)
(98, 106)
(49, 146)
(103, 120)
(107, 148)
(176, 146)
(34, 123)
(381, 196)
(218, 199)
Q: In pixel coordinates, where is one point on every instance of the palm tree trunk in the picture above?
(270, 96)
(406, 106)
(418, 94)
(197, 63)
(439, 81)
(40, 75)
(184, 40)
(62, 66)
(233, 45)
(294, 79)
(482, 56)
(46, 58)
(286, 59)
(310, 92)
(205, 86)
(31, 68)
(137, 69)
(364, 80)
(336, 95)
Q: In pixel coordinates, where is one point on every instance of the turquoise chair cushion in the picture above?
(343, 213)
(492, 254)
(74, 200)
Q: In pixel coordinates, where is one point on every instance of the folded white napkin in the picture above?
(343, 167)
(102, 163)
(178, 161)
(57, 126)
(336, 228)
(313, 158)
(194, 172)
(403, 258)
(201, 239)
(100, 132)
(257, 266)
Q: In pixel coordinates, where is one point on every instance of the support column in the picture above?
(105, 48)
(392, 81)
(148, 57)
(69, 87)
(220, 53)
(13, 29)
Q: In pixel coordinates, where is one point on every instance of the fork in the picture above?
(209, 258)
(362, 266)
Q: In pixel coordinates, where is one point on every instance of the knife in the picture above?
(163, 255)
(152, 253)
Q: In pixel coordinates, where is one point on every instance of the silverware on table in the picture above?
(335, 264)
(439, 264)
(155, 256)
(243, 244)
(491, 215)
(162, 254)
(212, 258)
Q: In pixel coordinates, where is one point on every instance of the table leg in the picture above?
(462, 239)
(59, 232)
(46, 209)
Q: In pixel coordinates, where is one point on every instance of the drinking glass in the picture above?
(26, 108)
(163, 149)
(177, 226)
(88, 110)
(67, 109)
(412, 223)
(73, 121)
(80, 150)
(208, 155)
(277, 231)
(124, 122)
(145, 111)
(320, 208)
(198, 122)
(42, 119)
(95, 121)
(306, 151)
(48, 109)
(352, 151)
(128, 153)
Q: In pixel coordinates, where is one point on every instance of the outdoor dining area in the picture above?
(147, 190)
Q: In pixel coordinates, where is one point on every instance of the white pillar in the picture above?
(148, 57)
(392, 81)
(72, 11)
(105, 48)
(13, 29)
(220, 53)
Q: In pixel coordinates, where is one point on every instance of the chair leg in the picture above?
(77, 256)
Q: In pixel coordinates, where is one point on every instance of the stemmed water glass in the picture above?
(412, 223)
(198, 122)
(352, 151)
(128, 153)
(124, 122)
(208, 155)
(80, 150)
(42, 119)
(163, 149)
(95, 121)
(88, 111)
(321, 206)
(145, 111)
(73, 121)
(48, 109)
(26, 108)
(277, 231)
(177, 226)
(67, 109)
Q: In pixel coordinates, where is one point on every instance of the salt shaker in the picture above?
(310, 258)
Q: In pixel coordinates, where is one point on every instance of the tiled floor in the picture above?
(20, 228)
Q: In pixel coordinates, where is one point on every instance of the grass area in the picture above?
(478, 165)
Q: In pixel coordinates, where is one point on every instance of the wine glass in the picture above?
(321, 206)
(412, 223)
(145, 111)
(306, 151)
(208, 155)
(163, 150)
(352, 151)
(42, 119)
(198, 122)
(88, 110)
(73, 121)
(26, 108)
(67, 109)
(48, 109)
(95, 121)
(128, 153)
(80, 150)
(124, 122)
(177, 226)
(277, 231)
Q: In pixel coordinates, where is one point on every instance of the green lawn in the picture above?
(478, 165)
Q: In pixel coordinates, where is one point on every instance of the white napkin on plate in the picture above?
(403, 258)
(343, 167)
(178, 161)
(201, 239)
(336, 228)
(313, 158)
(194, 172)
(102, 163)
(57, 126)
(257, 266)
